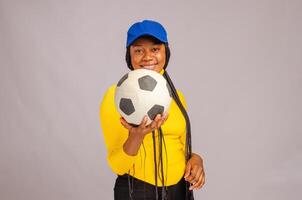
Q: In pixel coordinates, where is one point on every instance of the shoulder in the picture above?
(110, 91)
(108, 98)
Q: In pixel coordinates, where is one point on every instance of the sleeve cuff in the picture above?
(120, 162)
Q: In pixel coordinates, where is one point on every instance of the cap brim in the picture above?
(145, 34)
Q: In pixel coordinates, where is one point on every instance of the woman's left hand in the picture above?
(194, 172)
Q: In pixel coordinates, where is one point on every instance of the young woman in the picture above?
(152, 161)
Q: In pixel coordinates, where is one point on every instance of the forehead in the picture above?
(146, 40)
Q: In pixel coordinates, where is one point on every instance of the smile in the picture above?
(151, 67)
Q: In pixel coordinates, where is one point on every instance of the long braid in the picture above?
(188, 145)
(159, 169)
(160, 161)
(155, 165)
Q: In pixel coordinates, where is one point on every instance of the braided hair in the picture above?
(188, 146)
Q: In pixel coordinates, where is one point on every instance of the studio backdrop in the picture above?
(238, 64)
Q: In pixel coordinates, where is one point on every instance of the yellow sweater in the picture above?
(141, 166)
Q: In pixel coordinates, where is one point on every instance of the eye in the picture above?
(155, 49)
(138, 51)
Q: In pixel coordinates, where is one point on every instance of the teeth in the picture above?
(149, 66)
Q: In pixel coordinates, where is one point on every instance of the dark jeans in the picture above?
(145, 191)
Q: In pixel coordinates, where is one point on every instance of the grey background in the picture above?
(238, 64)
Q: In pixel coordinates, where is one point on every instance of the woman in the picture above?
(152, 161)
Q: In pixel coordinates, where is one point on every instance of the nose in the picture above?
(147, 56)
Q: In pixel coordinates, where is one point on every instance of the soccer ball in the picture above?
(142, 92)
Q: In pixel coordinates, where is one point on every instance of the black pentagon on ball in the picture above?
(122, 80)
(126, 106)
(156, 109)
(147, 83)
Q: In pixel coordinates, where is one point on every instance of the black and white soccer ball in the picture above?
(142, 92)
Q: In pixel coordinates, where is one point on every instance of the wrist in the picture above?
(132, 144)
(136, 133)
(136, 136)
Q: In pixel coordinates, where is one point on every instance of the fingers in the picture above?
(153, 124)
(143, 122)
(193, 176)
(125, 123)
(201, 182)
(196, 182)
(159, 120)
(196, 177)
(164, 117)
(156, 123)
(188, 169)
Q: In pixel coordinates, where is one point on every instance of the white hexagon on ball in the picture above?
(142, 92)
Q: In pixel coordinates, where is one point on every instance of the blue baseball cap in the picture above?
(146, 27)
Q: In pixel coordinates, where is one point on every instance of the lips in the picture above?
(150, 67)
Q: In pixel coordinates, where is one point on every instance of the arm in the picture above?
(137, 134)
(115, 135)
(122, 140)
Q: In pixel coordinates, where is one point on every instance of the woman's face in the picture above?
(145, 53)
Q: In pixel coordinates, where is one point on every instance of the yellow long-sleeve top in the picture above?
(141, 166)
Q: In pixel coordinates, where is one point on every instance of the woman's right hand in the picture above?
(137, 134)
(143, 129)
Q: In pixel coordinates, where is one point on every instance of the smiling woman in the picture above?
(149, 53)
(153, 161)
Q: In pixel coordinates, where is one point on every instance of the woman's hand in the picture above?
(194, 172)
(137, 134)
(143, 128)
